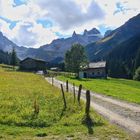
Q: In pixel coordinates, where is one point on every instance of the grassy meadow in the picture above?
(128, 90)
(21, 93)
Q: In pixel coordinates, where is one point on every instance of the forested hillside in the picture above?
(4, 57)
(99, 50)
(124, 58)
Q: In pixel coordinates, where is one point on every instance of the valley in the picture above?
(18, 94)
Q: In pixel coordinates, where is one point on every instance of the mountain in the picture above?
(100, 49)
(107, 33)
(57, 48)
(4, 57)
(123, 59)
(96, 46)
(7, 45)
(54, 51)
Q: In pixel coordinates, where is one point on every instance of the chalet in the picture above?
(94, 70)
(31, 64)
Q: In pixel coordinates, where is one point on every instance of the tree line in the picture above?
(9, 58)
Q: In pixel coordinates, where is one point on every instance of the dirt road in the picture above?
(125, 114)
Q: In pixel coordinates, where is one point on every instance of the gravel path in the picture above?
(122, 113)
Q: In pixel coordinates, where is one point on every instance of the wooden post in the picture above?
(79, 93)
(36, 108)
(52, 80)
(63, 95)
(67, 86)
(87, 103)
(74, 91)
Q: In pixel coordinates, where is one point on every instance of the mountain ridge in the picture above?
(100, 49)
(97, 46)
(56, 48)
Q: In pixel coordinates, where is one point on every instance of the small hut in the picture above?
(94, 70)
(31, 64)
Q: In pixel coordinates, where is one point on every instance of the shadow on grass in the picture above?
(89, 123)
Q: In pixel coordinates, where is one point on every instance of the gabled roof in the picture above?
(38, 60)
(101, 64)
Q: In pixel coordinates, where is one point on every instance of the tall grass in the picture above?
(30, 107)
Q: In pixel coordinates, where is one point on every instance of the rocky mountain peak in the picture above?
(74, 34)
(94, 31)
(85, 32)
(1, 33)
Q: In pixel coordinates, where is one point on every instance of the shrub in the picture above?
(137, 74)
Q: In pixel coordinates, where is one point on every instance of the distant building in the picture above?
(55, 69)
(94, 70)
(31, 64)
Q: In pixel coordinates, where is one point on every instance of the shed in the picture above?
(94, 70)
(32, 64)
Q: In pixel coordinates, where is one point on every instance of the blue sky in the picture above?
(19, 2)
(33, 23)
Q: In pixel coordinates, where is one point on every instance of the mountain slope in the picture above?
(4, 57)
(122, 59)
(100, 49)
(54, 51)
(59, 47)
(7, 45)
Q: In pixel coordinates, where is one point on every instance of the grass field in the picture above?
(19, 91)
(123, 89)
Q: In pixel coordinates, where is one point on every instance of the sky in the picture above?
(33, 23)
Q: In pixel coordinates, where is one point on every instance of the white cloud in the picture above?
(29, 34)
(116, 20)
(66, 16)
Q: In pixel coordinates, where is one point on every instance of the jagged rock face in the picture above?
(51, 51)
(60, 46)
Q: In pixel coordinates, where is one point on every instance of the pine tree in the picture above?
(137, 61)
(13, 58)
(137, 74)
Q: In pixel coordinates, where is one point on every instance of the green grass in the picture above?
(128, 90)
(19, 90)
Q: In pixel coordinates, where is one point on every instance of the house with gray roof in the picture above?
(94, 70)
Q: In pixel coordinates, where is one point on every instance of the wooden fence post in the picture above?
(79, 93)
(67, 86)
(36, 108)
(87, 103)
(74, 91)
(63, 95)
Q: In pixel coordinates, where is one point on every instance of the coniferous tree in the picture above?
(13, 58)
(137, 61)
(137, 74)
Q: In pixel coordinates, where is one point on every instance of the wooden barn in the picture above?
(31, 64)
(94, 70)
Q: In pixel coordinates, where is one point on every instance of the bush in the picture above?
(137, 74)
